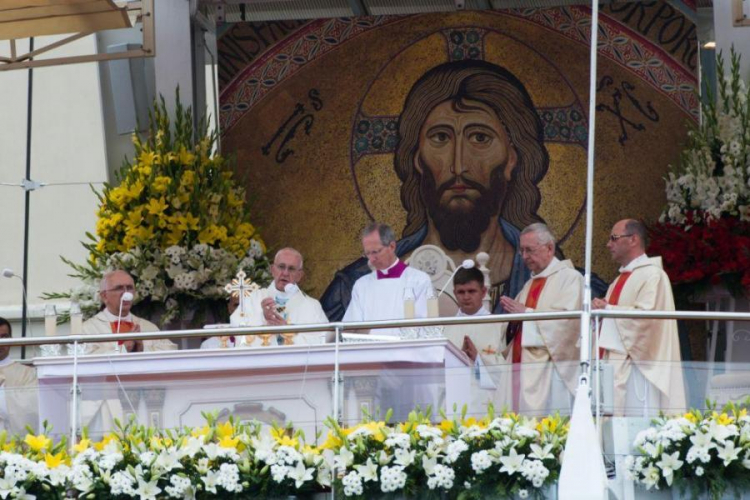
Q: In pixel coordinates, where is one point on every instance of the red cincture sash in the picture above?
(614, 299)
(532, 299)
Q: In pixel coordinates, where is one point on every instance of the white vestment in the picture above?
(102, 323)
(645, 353)
(376, 299)
(490, 369)
(549, 356)
(19, 397)
(300, 309)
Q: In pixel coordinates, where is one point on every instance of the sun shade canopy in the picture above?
(31, 18)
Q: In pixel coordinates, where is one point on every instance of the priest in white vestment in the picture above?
(19, 391)
(381, 294)
(116, 316)
(644, 353)
(544, 353)
(282, 303)
(482, 343)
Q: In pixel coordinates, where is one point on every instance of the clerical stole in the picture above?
(614, 299)
(537, 285)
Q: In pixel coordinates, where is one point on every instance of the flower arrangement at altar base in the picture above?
(697, 452)
(177, 221)
(704, 233)
(495, 457)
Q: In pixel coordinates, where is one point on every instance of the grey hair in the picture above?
(542, 232)
(387, 236)
(294, 252)
(637, 228)
(105, 278)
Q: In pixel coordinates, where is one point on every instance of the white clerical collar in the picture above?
(481, 312)
(637, 262)
(113, 317)
(7, 361)
(547, 270)
(387, 269)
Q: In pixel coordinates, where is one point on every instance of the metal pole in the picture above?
(336, 373)
(586, 314)
(74, 400)
(27, 200)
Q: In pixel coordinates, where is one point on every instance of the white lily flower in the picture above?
(369, 471)
(541, 453)
(300, 474)
(729, 453)
(210, 480)
(668, 464)
(512, 463)
(147, 490)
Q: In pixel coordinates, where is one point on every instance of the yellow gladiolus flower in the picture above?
(188, 178)
(82, 445)
(38, 443)
(287, 441)
(156, 207)
(723, 419)
(147, 159)
(135, 189)
(161, 183)
(690, 417)
(186, 157)
(53, 461)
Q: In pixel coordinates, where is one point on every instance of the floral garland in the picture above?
(494, 457)
(701, 452)
(704, 232)
(177, 221)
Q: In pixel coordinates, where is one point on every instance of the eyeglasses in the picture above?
(373, 253)
(615, 237)
(529, 250)
(283, 268)
(121, 288)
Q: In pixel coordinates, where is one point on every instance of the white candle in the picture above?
(76, 319)
(433, 308)
(50, 320)
(409, 309)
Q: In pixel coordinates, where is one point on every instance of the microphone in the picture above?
(126, 297)
(467, 264)
(8, 273)
(291, 288)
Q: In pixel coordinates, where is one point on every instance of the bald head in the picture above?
(627, 241)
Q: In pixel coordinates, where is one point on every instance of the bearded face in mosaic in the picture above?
(470, 149)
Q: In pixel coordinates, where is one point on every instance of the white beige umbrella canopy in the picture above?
(31, 18)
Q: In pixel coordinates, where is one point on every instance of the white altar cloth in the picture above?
(284, 383)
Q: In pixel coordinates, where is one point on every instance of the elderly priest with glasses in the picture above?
(282, 303)
(116, 291)
(384, 294)
(544, 353)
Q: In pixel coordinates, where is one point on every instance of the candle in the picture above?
(433, 308)
(50, 320)
(76, 319)
(409, 298)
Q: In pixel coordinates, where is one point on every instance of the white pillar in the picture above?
(173, 62)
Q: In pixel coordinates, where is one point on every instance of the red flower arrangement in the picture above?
(706, 252)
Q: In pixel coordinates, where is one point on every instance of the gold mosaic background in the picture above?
(309, 201)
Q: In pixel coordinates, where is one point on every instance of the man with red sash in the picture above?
(380, 295)
(544, 353)
(116, 317)
(644, 353)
